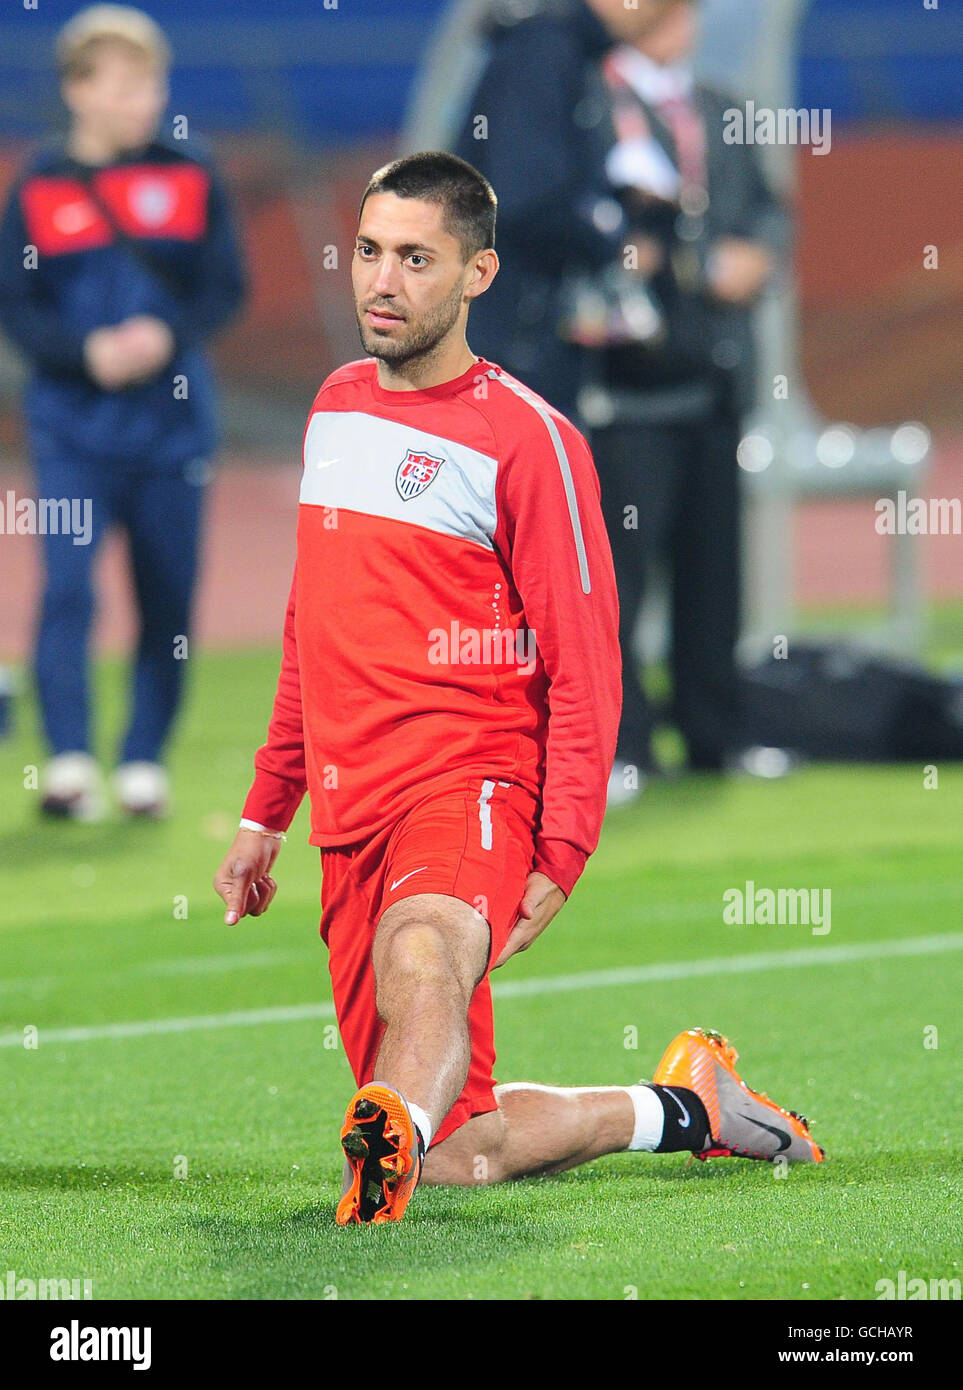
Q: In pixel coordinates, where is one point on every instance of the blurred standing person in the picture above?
(538, 128)
(7, 687)
(118, 260)
(667, 417)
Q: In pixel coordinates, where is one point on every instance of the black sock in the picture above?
(686, 1122)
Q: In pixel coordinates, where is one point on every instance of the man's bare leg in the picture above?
(545, 1129)
(429, 953)
(536, 1129)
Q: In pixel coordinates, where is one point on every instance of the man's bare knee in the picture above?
(427, 941)
(415, 964)
(414, 949)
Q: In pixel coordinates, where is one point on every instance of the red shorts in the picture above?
(474, 842)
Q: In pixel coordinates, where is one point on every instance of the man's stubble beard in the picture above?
(422, 342)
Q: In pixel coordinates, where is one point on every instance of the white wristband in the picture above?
(261, 829)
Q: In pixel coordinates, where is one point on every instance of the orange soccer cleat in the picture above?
(383, 1155)
(742, 1123)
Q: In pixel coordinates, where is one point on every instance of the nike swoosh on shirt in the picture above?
(326, 463)
(404, 876)
(784, 1139)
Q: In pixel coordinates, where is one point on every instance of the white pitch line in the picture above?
(182, 965)
(520, 989)
(216, 965)
(656, 915)
(734, 965)
(241, 1018)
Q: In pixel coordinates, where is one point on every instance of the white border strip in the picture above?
(485, 813)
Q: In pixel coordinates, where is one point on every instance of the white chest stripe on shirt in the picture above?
(357, 462)
(566, 471)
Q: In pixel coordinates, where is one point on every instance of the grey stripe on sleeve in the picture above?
(566, 471)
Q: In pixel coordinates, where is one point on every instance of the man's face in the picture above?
(626, 22)
(672, 38)
(409, 278)
(121, 101)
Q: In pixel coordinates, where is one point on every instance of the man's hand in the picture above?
(244, 880)
(738, 269)
(132, 351)
(105, 358)
(539, 905)
(148, 342)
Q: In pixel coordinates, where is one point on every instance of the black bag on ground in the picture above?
(834, 701)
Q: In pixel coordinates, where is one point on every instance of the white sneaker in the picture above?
(759, 760)
(143, 789)
(71, 786)
(626, 784)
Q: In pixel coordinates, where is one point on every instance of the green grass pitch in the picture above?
(197, 1157)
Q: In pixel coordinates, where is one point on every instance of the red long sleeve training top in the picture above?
(453, 614)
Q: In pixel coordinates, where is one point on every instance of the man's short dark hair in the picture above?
(435, 176)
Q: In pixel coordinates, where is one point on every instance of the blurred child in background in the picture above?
(118, 260)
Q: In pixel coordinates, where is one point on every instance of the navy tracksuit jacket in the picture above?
(139, 454)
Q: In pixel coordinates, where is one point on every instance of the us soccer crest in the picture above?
(416, 471)
(152, 201)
